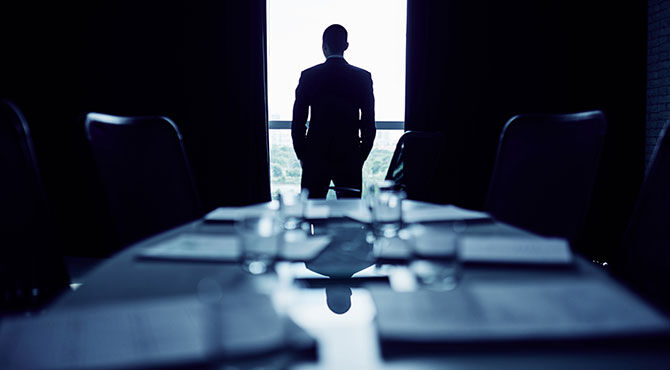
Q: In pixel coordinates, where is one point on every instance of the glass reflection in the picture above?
(347, 254)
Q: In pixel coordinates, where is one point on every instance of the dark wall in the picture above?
(473, 65)
(658, 72)
(199, 63)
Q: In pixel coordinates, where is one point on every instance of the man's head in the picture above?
(334, 40)
(338, 298)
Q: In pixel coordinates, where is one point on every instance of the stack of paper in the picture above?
(514, 250)
(223, 248)
(148, 334)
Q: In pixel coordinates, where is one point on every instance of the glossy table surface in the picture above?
(337, 309)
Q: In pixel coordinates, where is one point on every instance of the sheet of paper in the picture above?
(441, 213)
(313, 210)
(238, 213)
(196, 247)
(514, 250)
(143, 334)
(499, 311)
(413, 211)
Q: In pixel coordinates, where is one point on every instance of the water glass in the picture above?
(260, 238)
(385, 204)
(442, 269)
(292, 207)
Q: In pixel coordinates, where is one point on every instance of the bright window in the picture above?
(376, 43)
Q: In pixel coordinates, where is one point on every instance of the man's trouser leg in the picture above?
(348, 175)
(315, 178)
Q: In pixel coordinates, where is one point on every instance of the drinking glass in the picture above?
(385, 203)
(437, 266)
(292, 207)
(260, 237)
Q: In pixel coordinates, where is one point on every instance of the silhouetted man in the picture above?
(342, 123)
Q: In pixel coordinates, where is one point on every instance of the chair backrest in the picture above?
(645, 256)
(144, 172)
(545, 170)
(415, 164)
(31, 264)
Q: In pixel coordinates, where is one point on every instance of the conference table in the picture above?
(343, 301)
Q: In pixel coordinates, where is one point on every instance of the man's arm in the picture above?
(368, 130)
(298, 126)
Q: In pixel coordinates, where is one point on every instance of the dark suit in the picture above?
(342, 104)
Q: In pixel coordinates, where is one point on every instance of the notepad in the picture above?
(518, 310)
(516, 250)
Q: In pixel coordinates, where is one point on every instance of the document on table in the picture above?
(516, 250)
(503, 311)
(152, 334)
(231, 214)
(223, 248)
(196, 247)
(413, 211)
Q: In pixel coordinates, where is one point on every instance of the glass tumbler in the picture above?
(260, 237)
(385, 204)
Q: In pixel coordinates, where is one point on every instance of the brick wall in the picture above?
(658, 71)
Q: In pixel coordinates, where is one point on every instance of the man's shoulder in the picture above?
(323, 68)
(313, 69)
(359, 70)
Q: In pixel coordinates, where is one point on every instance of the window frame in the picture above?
(380, 125)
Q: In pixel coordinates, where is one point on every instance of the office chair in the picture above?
(32, 270)
(545, 170)
(415, 165)
(144, 172)
(644, 259)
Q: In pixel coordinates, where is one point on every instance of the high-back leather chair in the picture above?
(144, 172)
(545, 170)
(644, 260)
(415, 165)
(32, 269)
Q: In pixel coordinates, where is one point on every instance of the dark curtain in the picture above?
(201, 63)
(473, 65)
(226, 99)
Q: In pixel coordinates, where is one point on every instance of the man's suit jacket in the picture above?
(335, 91)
